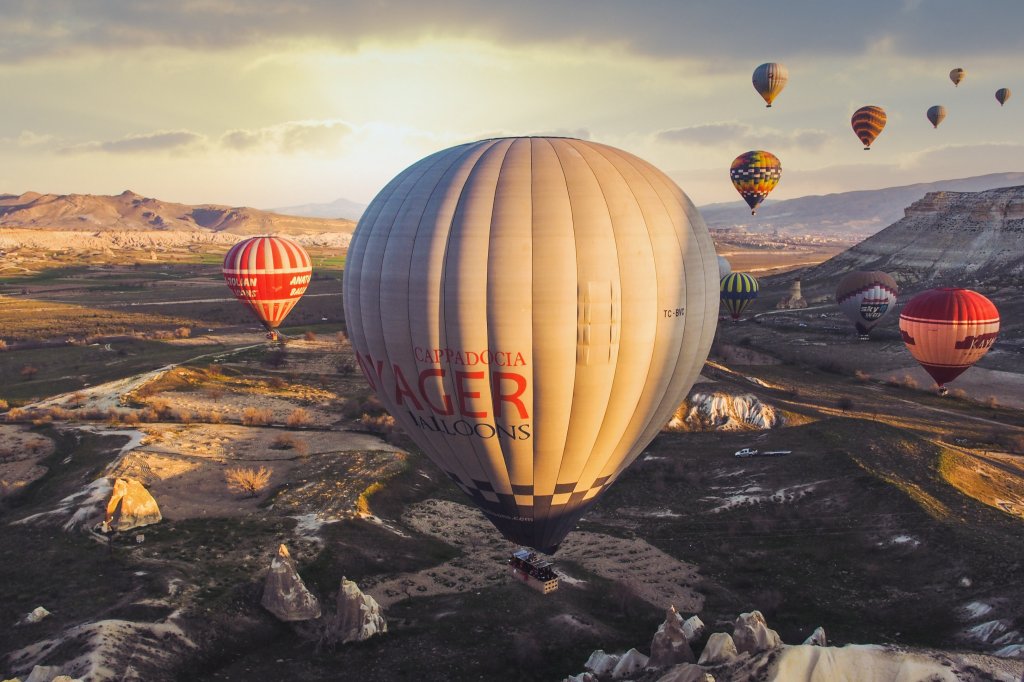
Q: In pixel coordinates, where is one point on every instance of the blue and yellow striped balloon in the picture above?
(738, 290)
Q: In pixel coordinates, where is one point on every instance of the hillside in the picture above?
(132, 212)
(967, 238)
(339, 208)
(859, 213)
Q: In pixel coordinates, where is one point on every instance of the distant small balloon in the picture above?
(1002, 94)
(269, 275)
(936, 115)
(868, 123)
(957, 75)
(754, 175)
(769, 80)
(866, 297)
(737, 291)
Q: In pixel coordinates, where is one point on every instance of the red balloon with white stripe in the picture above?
(269, 275)
(948, 330)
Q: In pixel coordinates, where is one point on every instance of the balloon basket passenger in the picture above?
(534, 570)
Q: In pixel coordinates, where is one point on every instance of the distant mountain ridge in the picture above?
(855, 214)
(339, 208)
(131, 212)
(962, 238)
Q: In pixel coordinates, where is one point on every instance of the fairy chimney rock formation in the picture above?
(670, 645)
(817, 638)
(751, 634)
(794, 299)
(358, 615)
(719, 649)
(130, 506)
(284, 593)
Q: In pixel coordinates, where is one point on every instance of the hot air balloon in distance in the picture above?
(865, 298)
(269, 275)
(531, 311)
(724, 267)
(737, 290)
(769, 80)
(948, 330)
(1002, 94)
(936, 115)
(957, 75)
(754, 175)
(868, 123)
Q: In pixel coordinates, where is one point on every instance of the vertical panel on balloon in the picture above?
(510, 318)
(597, 263)
(554, 315)
(435, 376)
(464, 305)
(633, 299)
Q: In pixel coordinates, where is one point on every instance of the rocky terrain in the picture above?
(946, 237)
(843, 214)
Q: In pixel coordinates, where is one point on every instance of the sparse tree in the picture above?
(249, 482)
(346, 368)
(183, 332)
(28, 371)
(845, 403)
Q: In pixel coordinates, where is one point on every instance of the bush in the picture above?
(346, 368)
(845, 403)
(310, 335)
(16, 414)
(249, 482)
(285, 441)
(3, 345)
(862, 376)
(276, 383)
(275, 358)
(182, 332)
(130, 418)
(991, 402)
(382, 424)
(3, 404)
(28, 371)
(299, 417)
(342, 338)
(252, 416)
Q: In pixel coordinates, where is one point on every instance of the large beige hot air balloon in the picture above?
(531, 311)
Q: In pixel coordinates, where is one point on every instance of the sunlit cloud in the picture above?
(293, 137)
(169, 140)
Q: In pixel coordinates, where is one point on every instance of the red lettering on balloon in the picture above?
(511, 398)
(463, 394)
(402, 388)
(447, 401)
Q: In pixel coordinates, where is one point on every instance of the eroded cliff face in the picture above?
(965, 238)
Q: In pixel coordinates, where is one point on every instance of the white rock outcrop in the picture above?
(719, 649)
(582, 677)
(722, 411)
(751, 634)
(34, 616)
(817, 638)
(43, 673)
(694, 628)
(629, 664)
(130, 506)
(358, 616)
(601, 663)
(670, 645)
(285, 594)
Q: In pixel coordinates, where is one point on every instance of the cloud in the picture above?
(293, 137)
(165, 140)
(745, 135)
(713, 32)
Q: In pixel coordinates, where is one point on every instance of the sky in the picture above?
(271, 103)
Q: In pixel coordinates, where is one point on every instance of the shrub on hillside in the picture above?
(253, 416)
(299, 417)
(249, 482)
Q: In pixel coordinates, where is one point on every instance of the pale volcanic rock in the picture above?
(582, 677)
(601, 663)
(629, 663)
(817, 638)
(284, 593)
(751, 634)
(722, 411)
(858, 662)
(35, 615)
(963, 237)
(720, 649)
(694, 629)
(670, 645)
(358, 616)
(130, 506)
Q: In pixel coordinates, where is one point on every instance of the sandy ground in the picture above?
(655, 576)
(979, 383)
(21, 450)
(183, 466)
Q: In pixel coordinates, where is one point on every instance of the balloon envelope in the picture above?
(957, 75)
(936, 114)
(755, 174)
(866, 297)
(948, 330)
(269, 275)
(737, 291)
(531, 311)
(1002, 94)
(867, 123)
(724, 267)
(769, 80)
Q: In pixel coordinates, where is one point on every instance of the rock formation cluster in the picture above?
(722, 411)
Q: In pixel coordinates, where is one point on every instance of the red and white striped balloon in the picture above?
(268, 274)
